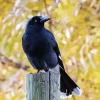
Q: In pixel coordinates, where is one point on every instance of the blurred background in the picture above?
(76, 27)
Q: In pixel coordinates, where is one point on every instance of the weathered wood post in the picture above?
(43, 86)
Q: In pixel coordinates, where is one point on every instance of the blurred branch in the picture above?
(47, 12)
(88, 41)
(91, 60)
(4, 60)
(8, 1)
(82, 59)
(45, 4)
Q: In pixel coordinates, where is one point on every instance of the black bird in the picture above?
(43, 53)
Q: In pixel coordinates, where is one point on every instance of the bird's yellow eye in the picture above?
(35, 20)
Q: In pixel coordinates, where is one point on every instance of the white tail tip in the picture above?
(77, 91)
(64, 96)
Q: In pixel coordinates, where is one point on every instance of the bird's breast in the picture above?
(34, 46)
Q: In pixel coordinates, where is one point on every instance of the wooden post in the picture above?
(43, 86)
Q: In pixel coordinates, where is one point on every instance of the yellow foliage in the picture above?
(2, 96)
(76, 26)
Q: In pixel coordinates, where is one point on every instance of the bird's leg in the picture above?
(46, 67)
(38, 71)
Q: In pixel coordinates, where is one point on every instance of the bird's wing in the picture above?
(55, 48)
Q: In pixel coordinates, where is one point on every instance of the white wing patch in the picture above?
(60, 57)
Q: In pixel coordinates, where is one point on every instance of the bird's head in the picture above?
(38, 20)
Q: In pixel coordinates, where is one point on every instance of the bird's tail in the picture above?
(68, 86)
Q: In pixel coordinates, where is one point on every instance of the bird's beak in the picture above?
(43, 19)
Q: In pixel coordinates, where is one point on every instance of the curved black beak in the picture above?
(43, 19)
